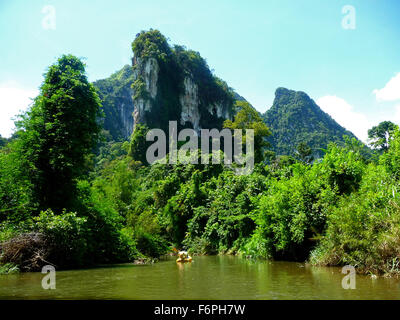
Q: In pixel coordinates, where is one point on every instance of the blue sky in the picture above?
(256, 46)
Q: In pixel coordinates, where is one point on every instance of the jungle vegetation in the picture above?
(72, 198)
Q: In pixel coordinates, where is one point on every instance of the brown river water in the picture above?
(207, 277)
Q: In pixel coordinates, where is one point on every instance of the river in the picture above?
(207, 277)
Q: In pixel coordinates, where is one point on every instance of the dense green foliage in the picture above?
(16, 190)
(248, 118)
(58, 133)
(3, 141)
(304, 153)
(41, 172)
(290, 210)
(363, 229)
(138, 144)
(151, 44)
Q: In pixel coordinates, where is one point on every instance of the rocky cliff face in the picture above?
(147, 71)
(190, 102)
(116, 93)
(124, 106)
(172, 83)
(163, 84)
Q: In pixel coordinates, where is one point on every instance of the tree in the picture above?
(304, 153)
(381, 135)
(151, 44)
(59, 132)
(138, 146)
(248, 118)
(3, 141)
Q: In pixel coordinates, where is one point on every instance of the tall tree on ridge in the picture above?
(59, 132)
(381, 135)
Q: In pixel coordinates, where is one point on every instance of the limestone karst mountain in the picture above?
(165, 83)
(168, 83)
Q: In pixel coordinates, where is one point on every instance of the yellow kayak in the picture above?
(183, 257)
(188, 259)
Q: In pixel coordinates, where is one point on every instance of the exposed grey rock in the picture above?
(190, 104)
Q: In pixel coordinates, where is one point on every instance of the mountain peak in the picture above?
(294, 118)
(284, 96)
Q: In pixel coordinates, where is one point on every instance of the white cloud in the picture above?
(344, 114)
(391, 91)
(13, 100)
